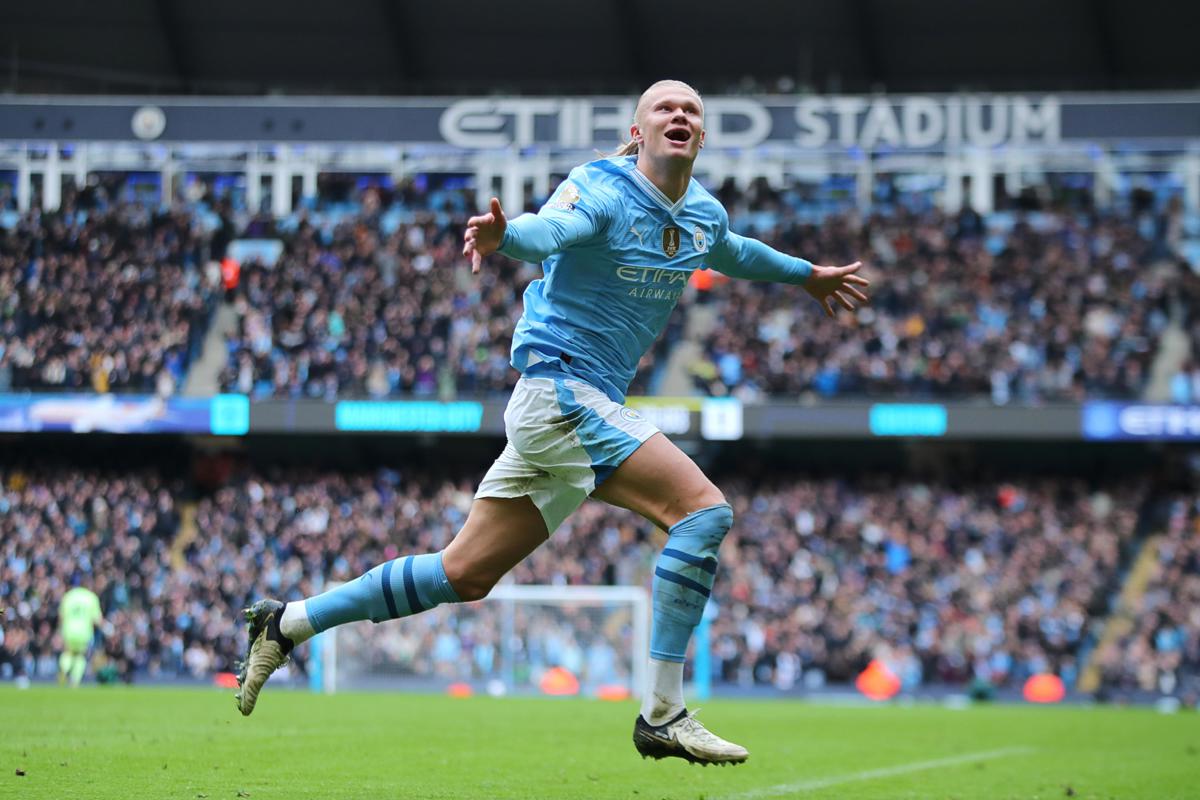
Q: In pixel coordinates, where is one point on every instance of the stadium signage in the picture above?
(907, 419)
(713, 419)
(230, 415)
(914, 122)
(920, 122)
(722, 419)
(674, 416)
(1140, 421)
(506, 122)
(673, 420)
(880, 122)
(107, 413)
(402, 416)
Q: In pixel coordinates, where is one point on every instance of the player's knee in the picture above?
(469, 590)
(702, 531)
(469, 580)
(712, 496)
(694, 502)
(722, 521)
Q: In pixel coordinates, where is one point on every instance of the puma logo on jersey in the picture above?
(634, 230)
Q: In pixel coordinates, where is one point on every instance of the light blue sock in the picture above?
(399, 588)
(683, 578)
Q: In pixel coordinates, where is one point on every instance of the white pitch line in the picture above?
(870, 774)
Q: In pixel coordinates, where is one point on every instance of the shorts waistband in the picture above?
(573, 367)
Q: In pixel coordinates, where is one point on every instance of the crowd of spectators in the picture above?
(377, 305)
(110, 531)
(985, 582)
(372, 298)
(1036, 308)
(1185, 380)
(1160, 654)
(100, 298)
(379, 302)
(988, 582)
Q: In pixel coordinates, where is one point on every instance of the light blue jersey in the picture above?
(616, 255)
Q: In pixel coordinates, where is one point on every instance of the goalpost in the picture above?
(586, 640)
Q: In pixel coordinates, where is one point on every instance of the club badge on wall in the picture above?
(670, 241)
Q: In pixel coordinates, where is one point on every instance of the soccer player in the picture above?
(78, 615)
(617, 242)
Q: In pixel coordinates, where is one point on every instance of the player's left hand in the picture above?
(838, 284)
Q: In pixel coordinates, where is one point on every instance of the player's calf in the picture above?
(683, 579)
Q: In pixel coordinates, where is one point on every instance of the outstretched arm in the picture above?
(529, 237)
(743, 257)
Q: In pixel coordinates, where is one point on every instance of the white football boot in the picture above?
(269, 650)
(684, 737)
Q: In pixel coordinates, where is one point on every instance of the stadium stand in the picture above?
(102, 297)
(375, 311)
(112, 530)
(370, 299)
(373, 307)
(1160, 654)
(988, 581)
(984, 581)
(1021, 309)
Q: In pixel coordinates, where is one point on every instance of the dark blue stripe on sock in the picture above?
(709, 565)
(387, 591)
(674, 577)
(410, 589)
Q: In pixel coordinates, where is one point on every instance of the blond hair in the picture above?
(630, 148)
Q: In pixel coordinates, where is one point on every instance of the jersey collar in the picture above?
(656, 194)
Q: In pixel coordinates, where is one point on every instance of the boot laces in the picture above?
(694, 727)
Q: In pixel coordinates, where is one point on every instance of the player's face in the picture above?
(671, 124)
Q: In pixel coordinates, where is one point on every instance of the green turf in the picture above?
(163, 743)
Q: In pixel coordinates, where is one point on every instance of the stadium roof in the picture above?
(544, 46)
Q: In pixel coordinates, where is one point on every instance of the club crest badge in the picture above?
(700, 240)
(670, 241)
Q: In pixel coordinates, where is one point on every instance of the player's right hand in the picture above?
(484, 234)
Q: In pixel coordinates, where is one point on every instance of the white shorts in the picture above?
(565, 437)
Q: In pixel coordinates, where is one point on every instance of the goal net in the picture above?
(586, 640)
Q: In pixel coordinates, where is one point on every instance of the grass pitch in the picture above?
(132, 743)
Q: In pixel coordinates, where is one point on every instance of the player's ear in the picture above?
(702, 138)
(635, 133)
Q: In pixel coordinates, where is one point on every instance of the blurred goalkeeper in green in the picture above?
(78, 615)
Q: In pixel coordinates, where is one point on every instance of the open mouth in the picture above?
(679, 134)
